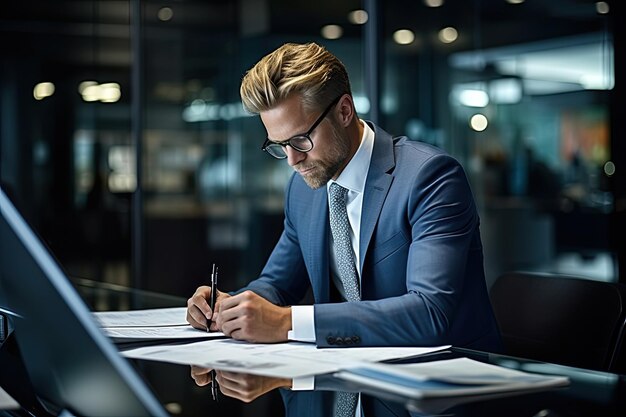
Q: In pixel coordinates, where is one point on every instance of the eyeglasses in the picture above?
(301, 142)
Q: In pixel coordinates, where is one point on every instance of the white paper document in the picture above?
(135, 334)
(446, 378)
(150, 324)
(285, 360)
(154, 317)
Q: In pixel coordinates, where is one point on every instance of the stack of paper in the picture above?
(447, 378)
(149, 325)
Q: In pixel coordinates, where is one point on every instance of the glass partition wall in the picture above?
(521, 92)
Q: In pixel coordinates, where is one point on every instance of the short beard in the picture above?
(328, 168)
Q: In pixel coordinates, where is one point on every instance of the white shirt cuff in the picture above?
(303, 324)
(305, 383)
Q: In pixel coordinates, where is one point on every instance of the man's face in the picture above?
(331, 150)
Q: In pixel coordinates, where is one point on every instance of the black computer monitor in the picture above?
(72, 365)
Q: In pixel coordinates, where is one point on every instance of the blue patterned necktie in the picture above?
(346, 402)
(340, 228)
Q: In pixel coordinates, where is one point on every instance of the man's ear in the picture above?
(346, 110)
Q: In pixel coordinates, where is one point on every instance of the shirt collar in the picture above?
(354, 174)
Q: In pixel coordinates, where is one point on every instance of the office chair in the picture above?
(559, 319)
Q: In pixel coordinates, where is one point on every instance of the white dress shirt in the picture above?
(353, 178)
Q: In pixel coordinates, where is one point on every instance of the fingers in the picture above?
(234, 379)
(237, 385)
(247, 387)
(201, 375)
(236, 306)
(198, 310)
(232, 314)
(232, 329)
(250, 317)
(235, 394)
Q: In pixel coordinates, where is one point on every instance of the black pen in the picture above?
(213, 295)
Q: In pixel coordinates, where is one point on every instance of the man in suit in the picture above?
(384, 230)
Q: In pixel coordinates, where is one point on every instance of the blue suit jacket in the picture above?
(321, 404)
(422, 277)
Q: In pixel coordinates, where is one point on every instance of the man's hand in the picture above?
(244, 387)
(248, 316)
(198, 310)
(201, 375)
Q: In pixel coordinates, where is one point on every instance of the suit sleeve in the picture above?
(284, 279)
(441, 219)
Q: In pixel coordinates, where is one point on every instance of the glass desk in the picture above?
(590, 393)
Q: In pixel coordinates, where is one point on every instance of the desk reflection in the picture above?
(243, 387)
(320, 402)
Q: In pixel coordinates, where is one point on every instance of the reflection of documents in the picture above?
(433, 406)
(285, 360)
(7, 402)
(446, 378)
(150, 324)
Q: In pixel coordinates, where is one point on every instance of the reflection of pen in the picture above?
(213, 385)
(213, 296)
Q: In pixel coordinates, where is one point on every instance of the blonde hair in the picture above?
(306, 69)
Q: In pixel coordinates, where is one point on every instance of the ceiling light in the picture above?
(110, 92)
(165, 14)
(433, 3)
(448, 35)
(473, 98)
(602, 7)
(505, 90)
(515, 1)
(479, 122)
(403, 36)
(85, 84)
(358, 17)
(609, 168)
(549, 67)
(91, 93)
(43, 90)
(332, 31)
(106, 93)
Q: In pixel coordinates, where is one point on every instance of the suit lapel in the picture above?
(318, 246)
(376, 188)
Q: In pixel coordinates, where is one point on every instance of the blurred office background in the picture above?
(124, 143)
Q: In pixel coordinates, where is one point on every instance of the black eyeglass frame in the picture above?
(269, 146)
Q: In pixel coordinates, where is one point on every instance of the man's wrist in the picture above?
(286, 383)
(287, 323)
